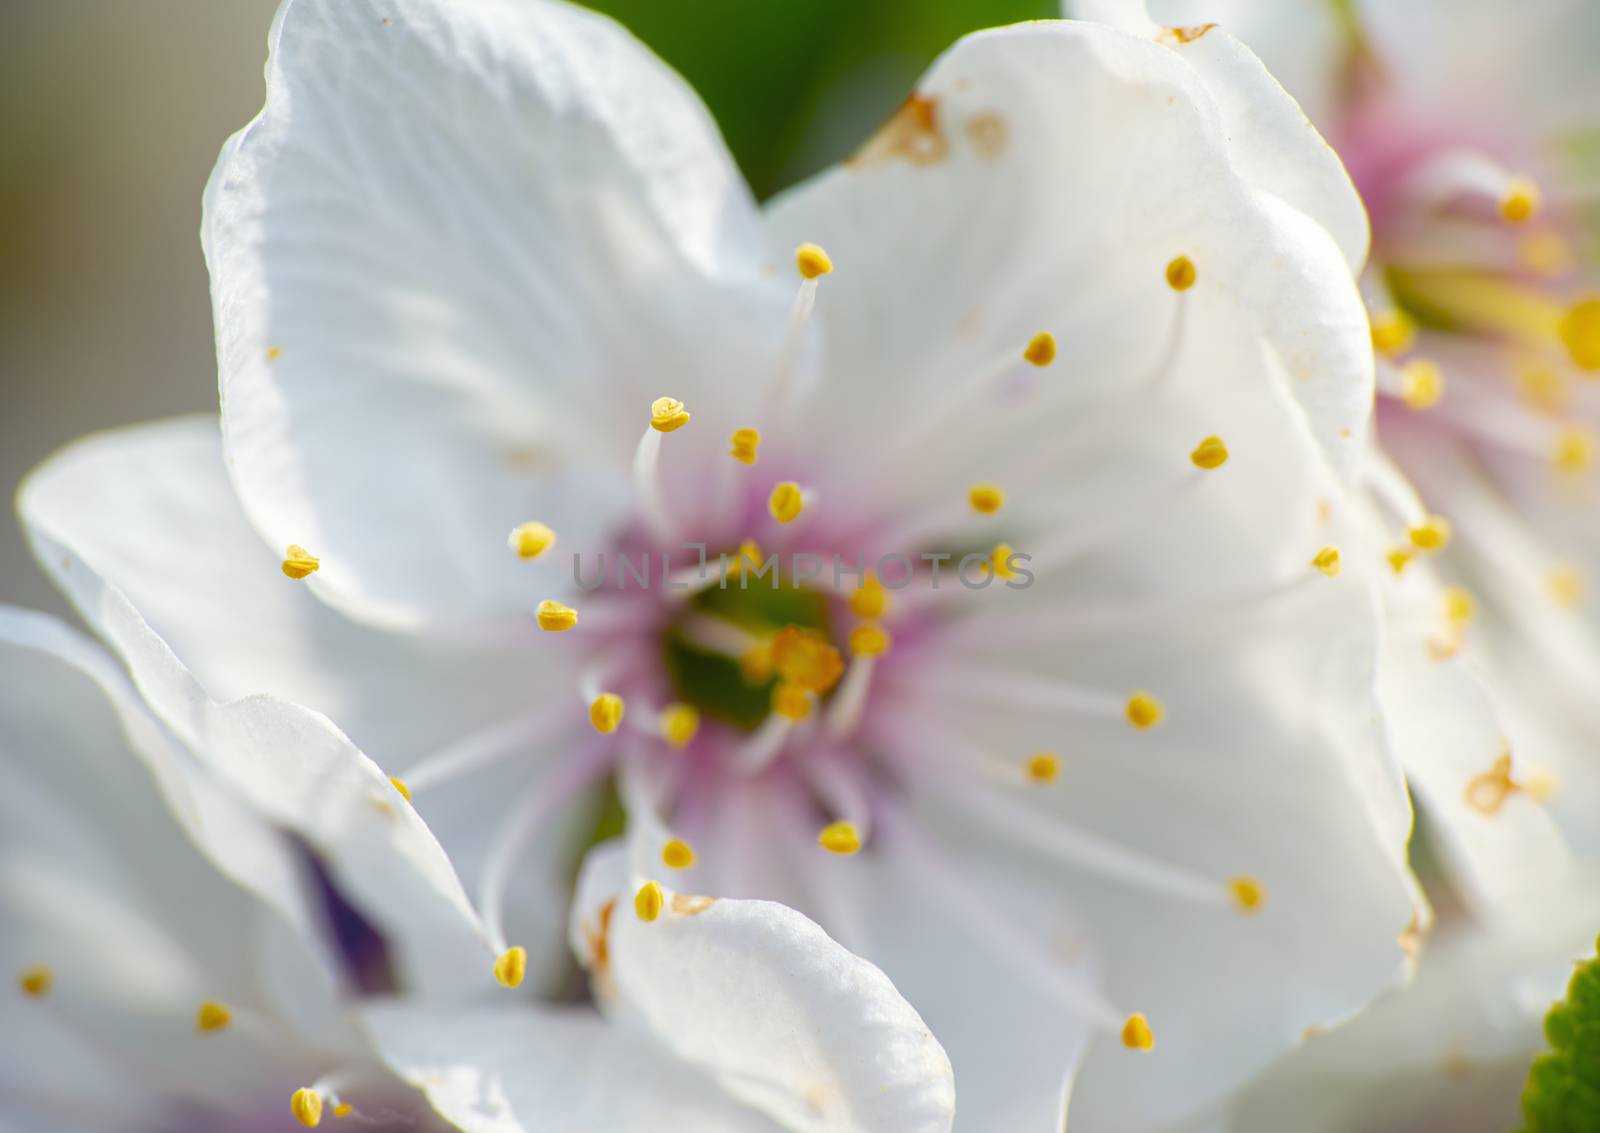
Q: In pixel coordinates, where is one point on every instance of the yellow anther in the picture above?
(986, 499)
(667, 414)
(755, 665)
(1432, 534)
(1248, 893)
(274, 353)
(1521, 201)
(1399, 558)
(870, 600)
(1541, 786)
(306, 1105)
(1565, 585)
(399, 784)
(1392, 331)
(299, 562)
(1327, 561)
(1574, 449)
(1041, 349)
(1210, 453)
(744, 442)
(1144, 710)
(1486, 793)
(1043, 767)
(812, 261)
(532, 539)
(1136, 1033)
(791, 701)
(1000, 560)
(343, 1109)
(677, 854)
(748, 555)
(840, 838)
(648, 902)
(679, 724)
(1181, 274)
(554, 617)
(1421, 383)
(1459, 605)
(786, 502)
(1580, 332)
(510, 966)
(212, 1016)
(36, 981)
(1541, 385)
(806, 659)
(605, 712)
(869, 640)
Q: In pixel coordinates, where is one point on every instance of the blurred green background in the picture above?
(112, 113)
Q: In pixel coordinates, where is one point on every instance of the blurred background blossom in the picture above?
(112, 114)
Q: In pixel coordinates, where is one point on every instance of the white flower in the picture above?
(1077, 312)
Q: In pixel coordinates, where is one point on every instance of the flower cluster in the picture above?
(1040, 563)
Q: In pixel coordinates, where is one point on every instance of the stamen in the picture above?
(844, 711)
(36, 981)
(511, 966)
(1248, 893)
(677, 854)
(1521, 201)
(299, 562)
(755, 665)
(1421, 384)
(1145, 711)
(1432, 534)
(212, 1017)
(811, 261)
(1459, 605)
(605, 712)
(840, 838)
(1136, 1033)
(532, 539)
(786, 502)
(744, 442)
(679, 723)
(767, 741)
(806, 659)
(480, 749)
(1392, 331)
(399, 785)
(306, 1105)
(1488, 792)
(791, 701)
(343, 1109)
(1574, 451)
(667, 415)
(1399, 558)
(1041, 349)
(1000, 561)
(986, 499)
(648, 902)
(1043, 767)
(1327, 561)
(553, 617)
(871, 600)
(869, 640)
(1210, 453)
(1181, 273)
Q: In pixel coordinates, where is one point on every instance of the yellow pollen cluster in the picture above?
(986, 499)
(399, 785)
(1327, 561)
(1580, 333)
(511, 966)
(1136, 1033)
(1521, 201)
(1248, 893)
(1399, 558)
(1392, 331)
(36, 981)
(791, 701)
(343, 1109)
(649, 901)
(667, 415)
(1041, 349)
(1043, 767)
(1210, 453)
(811, 261)
(1459, 605)
(1432, 534)
(755, 664)
(1000, 560)
(869, 640)
(680, 723)
(306, 1105)
(605, 712)
(299, 562)
(1144, 710)
(871, 599)
(840, 838)
(530, 540)
(553, 617)
(1421, 384)
(1181, 274)
(806, 659)
(786, 502)
(1565, 585)
(212, 1017)
(677, 854)
(1574, 449)
(744, 443)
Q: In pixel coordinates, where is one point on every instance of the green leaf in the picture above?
(1563, 1091)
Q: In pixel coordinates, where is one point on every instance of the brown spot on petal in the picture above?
(1410, 939)
(1488, 792)
(912, 134)
(1185, 35)
(988, 134)
(688, 906)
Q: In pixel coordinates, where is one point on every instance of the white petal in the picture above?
(527, 1070)
(452, 261)
(785, 1018)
